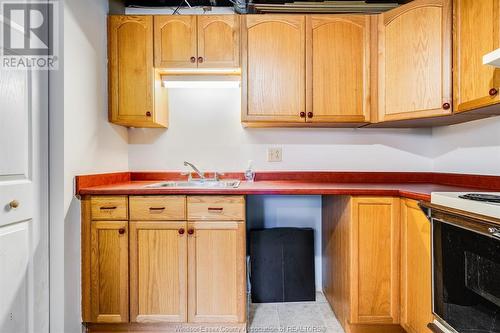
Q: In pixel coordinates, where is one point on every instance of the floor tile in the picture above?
(298, 317)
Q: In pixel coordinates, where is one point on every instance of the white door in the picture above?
(24, 282)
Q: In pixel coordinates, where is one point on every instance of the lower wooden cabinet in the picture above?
(109, 272)
(416, 278)
(216, 272)
(377, 263)
(158, 271)
(161, 270)
(361, 243)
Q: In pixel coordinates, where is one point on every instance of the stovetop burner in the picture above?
(481, 197)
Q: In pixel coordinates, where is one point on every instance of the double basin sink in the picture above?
(198, 183)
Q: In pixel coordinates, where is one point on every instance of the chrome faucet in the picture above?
(195, 169)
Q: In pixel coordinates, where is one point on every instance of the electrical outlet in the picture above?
(274, 154)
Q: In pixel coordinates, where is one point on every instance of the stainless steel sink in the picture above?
(207, 183)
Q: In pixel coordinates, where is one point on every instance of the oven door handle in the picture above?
(484, 229)
(482, 225)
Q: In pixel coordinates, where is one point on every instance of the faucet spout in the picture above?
(195, 169)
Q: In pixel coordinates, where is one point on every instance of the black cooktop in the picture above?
(481, 197)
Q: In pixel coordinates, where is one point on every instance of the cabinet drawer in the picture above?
(109, 207)
(168, 207)
(218, 208)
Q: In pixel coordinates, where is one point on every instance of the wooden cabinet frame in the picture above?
(136, 286)
(446, 62)
(368, 85)
(99, 270)
(273, 116)
(123, 72)
(239, 311)
(460, 103)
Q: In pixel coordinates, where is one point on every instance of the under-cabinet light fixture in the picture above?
(492, 59)
(203, 81)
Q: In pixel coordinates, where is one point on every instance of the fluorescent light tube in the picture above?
(201, 81)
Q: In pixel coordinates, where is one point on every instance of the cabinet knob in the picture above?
(181, 231)
(190, 231)
(493, 91)
(200, 60)
(446, 106)
(302, 114)
(148, 114)
(14, 204)
(192, 59)
(121, 231)
(309, 115)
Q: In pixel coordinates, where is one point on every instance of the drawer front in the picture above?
(155, 208)
(216, 208)
(109, 207)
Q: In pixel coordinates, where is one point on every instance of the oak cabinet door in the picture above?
(339, 66)
(131, 72)
(476, 33)
(175, 41)
(219, 41)
(415, 61)
(273, 68)
(158, 271)
(375, 244)
(109, 272)
(216, 272)
(416, 290)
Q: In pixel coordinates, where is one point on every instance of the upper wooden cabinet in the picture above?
(476, 33)
(219, 41)
(175, 41)
(416, 276)
(190, 41)
(273, 68)
(306, 69)
(136, 98)
(338, 67)
(415, 61)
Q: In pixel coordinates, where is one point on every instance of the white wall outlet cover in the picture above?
(274, 154)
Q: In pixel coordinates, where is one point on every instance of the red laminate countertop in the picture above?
(417, 191)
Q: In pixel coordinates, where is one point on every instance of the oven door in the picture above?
(466, 275)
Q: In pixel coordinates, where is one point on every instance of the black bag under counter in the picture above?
(282, 265)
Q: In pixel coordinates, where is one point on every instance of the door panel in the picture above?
(219, 41)
(158, 272)
(273, 82)
(375, 260)
(340, 54)
(415, 73)
(416, 289)
(109, 272)
(216, 272)
(477, 32)
(175, 41)
(131, 70)
(24, 301)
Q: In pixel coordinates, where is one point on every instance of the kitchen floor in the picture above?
(300, 317)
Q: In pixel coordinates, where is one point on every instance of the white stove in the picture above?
(482, 203)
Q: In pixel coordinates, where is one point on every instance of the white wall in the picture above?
(205, 129)
(83, 142)
(468, 148)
